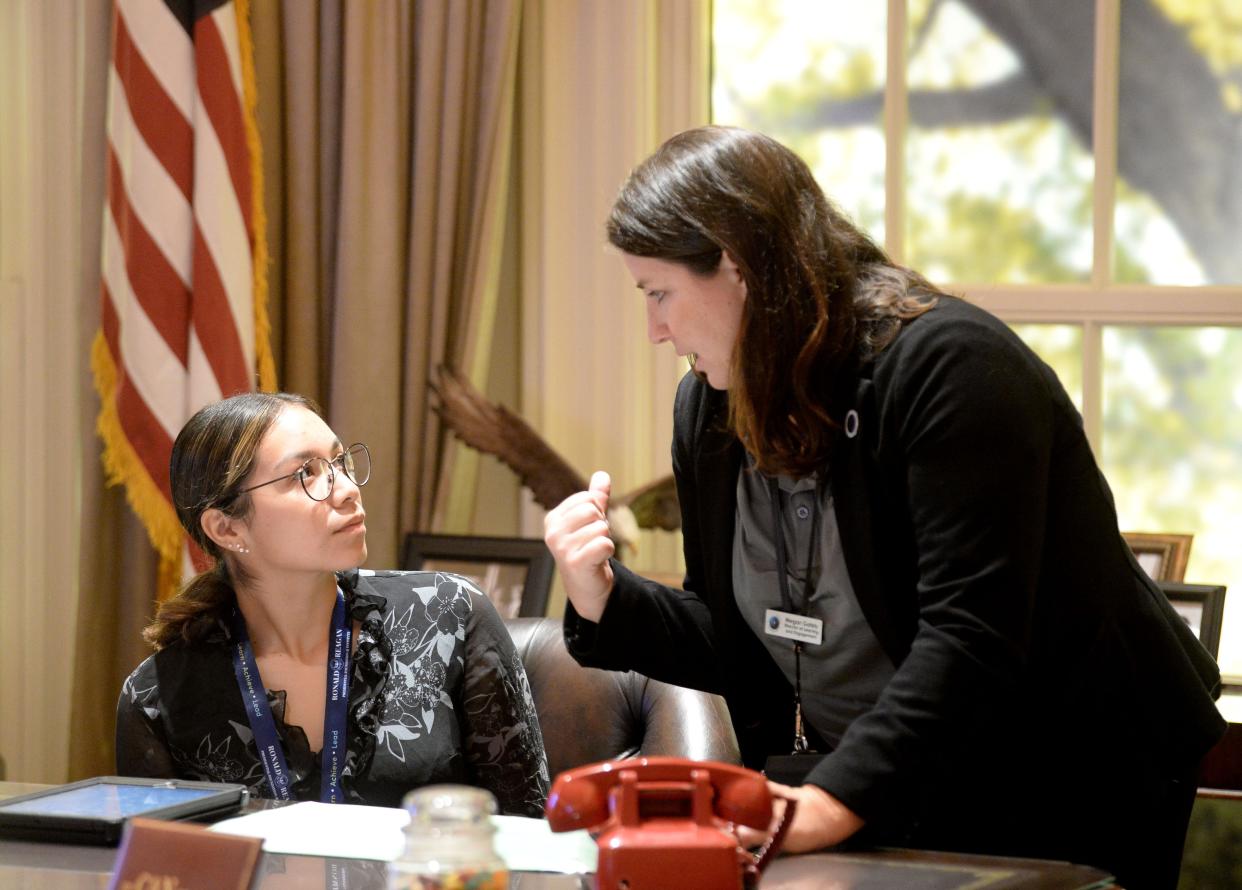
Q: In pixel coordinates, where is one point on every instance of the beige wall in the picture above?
(42, 359)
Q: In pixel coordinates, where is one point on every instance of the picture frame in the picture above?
(1162, 556)
(514, 573)
(1202, 607)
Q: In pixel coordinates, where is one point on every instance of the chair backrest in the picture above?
(588, 715)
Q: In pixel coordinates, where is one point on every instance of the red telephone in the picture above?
(663, 821)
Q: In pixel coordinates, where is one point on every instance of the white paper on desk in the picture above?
(358, 832)
(530, 845)
(311, 828)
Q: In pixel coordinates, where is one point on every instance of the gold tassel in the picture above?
(262, 322)
(123, 466)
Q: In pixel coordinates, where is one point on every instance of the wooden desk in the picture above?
(32, 865)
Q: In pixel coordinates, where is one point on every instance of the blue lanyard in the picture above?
(335, 712)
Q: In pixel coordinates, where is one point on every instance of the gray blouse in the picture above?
(841, 677)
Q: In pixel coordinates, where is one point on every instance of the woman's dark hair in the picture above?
(211, 458)
(819, 293)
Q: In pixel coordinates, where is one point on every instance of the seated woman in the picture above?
(287, 669)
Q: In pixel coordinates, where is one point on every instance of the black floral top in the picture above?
(437, 694)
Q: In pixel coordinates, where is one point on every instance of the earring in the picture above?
(240, 549)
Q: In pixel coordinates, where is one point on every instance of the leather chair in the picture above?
(588, 715)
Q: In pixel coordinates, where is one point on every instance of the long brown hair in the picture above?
(820, 294)
(211, 458)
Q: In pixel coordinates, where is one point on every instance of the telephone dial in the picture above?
(665, 821)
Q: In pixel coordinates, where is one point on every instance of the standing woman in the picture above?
(899, 549)
(287, 669)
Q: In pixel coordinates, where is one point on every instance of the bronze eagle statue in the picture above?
(494, 429)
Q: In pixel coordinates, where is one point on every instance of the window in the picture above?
(1027, 154)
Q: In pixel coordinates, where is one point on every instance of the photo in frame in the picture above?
(514, 573)
(1202, 607)
(1162, 556)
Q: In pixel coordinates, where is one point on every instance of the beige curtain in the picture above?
(117, 566)
(387, 129)
(602, 85)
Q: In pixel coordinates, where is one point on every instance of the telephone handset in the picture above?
(655, 815)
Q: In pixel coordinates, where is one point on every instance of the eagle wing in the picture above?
(496, 430)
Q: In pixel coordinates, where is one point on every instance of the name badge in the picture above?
(791, 626)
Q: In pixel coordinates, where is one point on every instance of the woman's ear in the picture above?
(730, 269)
(226, 531)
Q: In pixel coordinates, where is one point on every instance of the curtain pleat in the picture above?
(117, 568)
(396, 137)
(466, 80)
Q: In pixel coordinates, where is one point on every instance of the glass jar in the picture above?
(449, 842)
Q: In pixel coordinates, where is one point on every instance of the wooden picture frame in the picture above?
(1162, 556)
(515, 573)
(1202, 607)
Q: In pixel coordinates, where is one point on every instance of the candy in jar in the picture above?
(449, 842)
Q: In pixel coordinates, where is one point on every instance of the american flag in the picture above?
(183, 311)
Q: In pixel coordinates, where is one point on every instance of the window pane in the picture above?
(1179, 183)
(809, 73)
(1060, 345)
(1172, 449)
(998, 160)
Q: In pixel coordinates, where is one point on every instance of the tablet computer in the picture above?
(94, 811)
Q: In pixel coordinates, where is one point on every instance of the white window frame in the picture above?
(1096, 303)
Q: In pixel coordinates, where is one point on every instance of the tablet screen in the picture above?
(105, 801)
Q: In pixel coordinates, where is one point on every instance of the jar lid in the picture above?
(449, 806)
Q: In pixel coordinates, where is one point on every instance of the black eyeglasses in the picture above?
(318, 474)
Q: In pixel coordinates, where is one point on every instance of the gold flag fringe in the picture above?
(250, 97)
(123, 466)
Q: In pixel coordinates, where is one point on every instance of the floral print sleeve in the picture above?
(140, 746)
(502, 742)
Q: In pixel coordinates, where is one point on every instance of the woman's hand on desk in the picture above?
(576, 531)
(819, 821)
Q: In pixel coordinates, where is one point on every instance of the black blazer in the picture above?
(1035, 660)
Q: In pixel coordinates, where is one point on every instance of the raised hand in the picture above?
(576, 531)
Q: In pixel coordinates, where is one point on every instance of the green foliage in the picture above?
(1060, 345)
(989, 240)
(1126, 267)
(791, 101)
(1214, 27)
(1170, 436)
